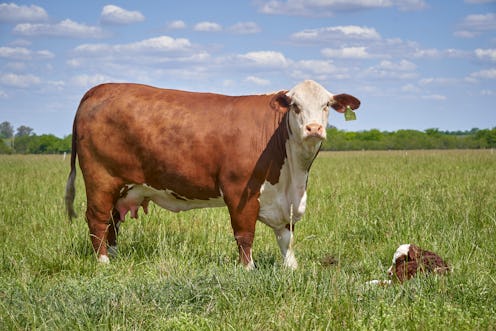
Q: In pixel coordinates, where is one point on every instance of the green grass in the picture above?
(179, 271)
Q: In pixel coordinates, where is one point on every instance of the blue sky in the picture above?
(414, 64)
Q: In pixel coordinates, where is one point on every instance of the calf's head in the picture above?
(309, 104)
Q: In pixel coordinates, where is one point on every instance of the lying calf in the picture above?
(409, 259)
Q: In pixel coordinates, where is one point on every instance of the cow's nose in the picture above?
(314, 129)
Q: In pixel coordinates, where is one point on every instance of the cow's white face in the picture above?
(309, 111)
(309, 105)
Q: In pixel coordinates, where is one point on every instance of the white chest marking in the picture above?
(277, 201)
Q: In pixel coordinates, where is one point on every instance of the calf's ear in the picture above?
(280, 102)
(340, 101)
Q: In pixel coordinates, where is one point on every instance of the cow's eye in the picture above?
(296, 109)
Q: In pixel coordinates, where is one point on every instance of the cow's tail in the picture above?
(70, 189)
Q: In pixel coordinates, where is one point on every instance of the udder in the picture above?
(130, 201)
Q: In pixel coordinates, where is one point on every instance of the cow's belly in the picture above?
(135, 195)
(280, 206)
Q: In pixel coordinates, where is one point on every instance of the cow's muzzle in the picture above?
(314, 130)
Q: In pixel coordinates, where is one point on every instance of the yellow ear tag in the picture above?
(349, 115)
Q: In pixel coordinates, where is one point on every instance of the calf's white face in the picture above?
(401, 251)
(309, 111)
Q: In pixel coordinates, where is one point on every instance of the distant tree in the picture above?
(4, 148)
(6, 130)
(487, 138)
(65, 144)
(24, 131)
(433, 132)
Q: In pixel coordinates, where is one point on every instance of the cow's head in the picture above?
(309, 105)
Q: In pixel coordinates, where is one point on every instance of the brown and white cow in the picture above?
(185, 150)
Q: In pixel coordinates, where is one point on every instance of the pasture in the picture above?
(179, 271)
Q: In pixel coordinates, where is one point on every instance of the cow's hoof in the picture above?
(250, 266)
(104, 259)
(290, 261)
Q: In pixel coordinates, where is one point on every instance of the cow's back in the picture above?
(170, 139)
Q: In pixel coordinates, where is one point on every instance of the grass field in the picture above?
(179, 271)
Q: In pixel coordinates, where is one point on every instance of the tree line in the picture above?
(25, 141)
(338, 140)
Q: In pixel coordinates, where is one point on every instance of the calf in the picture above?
(409, 259)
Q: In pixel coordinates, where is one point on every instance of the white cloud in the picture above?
(16, 66)
(318, 70)
(257, 80)
(317, 66)
(410, 88)
(85, 80)
(21, 53)
(245, 28)
(65, 28)
(479, 1)
(483, 54)
(484, 74)
(22, 81)
(347, 32)
(265, 59)
(347, 52)
(15, 52)
(410, 5)
(437, 81)
(403, 69)
(207, 27)
(158, 44)
(435, 97)
(176, 25)
(403, 65)
(476, 24)
(116, 15)
(331, 7)
(10, 12)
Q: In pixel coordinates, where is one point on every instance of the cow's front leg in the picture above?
(285, 240)
(243, 220)
(245, 242)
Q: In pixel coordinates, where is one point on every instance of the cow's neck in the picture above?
(299, 159)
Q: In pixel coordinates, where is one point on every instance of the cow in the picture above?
(185, 150)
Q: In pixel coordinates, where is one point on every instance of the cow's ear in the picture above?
(340, 101)
(281, 102)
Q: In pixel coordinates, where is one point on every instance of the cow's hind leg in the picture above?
(113, 233)
(98, 213)
(284, 238)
